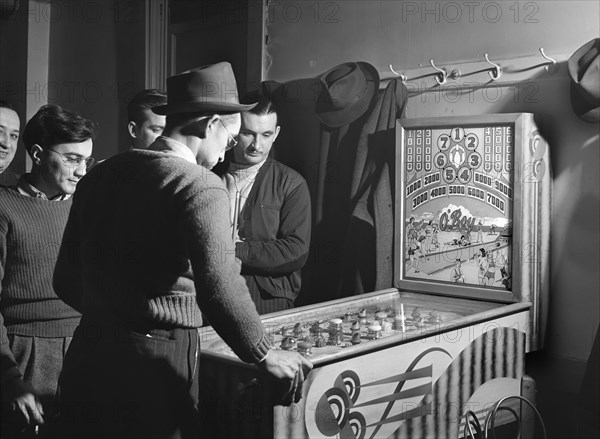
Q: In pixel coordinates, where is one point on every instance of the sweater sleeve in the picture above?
(8, 365)
(289, 252)
(67, 279)
(221, 291)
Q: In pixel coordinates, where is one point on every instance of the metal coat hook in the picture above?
(403, 78)
(498, 70)
(443, 74)
(552, 65)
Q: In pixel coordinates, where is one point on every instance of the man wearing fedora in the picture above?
(146, 248)
(270, 212)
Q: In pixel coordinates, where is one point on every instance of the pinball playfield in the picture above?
(349, 327)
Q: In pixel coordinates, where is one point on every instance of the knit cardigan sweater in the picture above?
(275, 227)
(148, 240)
(30, 234)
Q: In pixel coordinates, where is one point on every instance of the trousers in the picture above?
(130, 380)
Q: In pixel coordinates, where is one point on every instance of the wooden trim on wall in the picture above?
(257, 33)
(156, 43)
(38, 58)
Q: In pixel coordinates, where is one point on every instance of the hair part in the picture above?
(144, 100)
(264, 105)
(52, 125)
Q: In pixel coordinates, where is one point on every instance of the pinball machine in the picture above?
(471, 256)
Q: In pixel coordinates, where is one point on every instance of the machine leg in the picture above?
(528, 418)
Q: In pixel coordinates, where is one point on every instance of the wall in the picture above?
(84, 55)
(97, 54)
(233, 30)
(89, 56)
(308, 38)
(225, 31)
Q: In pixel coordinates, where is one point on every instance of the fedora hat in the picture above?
(204, 89)
(584, 69)
(346, 93)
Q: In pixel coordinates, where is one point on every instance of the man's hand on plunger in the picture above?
(289, 370)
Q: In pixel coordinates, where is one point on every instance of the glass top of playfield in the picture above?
(351, 326)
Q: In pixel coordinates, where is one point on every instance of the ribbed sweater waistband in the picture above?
(180, 310)
(162, 312)
(45, 329)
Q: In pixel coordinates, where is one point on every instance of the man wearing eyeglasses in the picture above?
(270, 212)
(35, 325)
(146, 248)
(59, 143)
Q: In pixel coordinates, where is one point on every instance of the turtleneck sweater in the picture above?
(239, 180)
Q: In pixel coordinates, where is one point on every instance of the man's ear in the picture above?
(36, 154)
(201, 126)
(276, 133)
(131, 127)
(213, 122)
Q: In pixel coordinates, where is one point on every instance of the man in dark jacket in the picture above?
(270, 213)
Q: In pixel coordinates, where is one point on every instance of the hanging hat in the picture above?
(204, 89)
(584, 69)
(346, 94)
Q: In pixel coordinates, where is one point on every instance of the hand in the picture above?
(21, 399)
(288, 369)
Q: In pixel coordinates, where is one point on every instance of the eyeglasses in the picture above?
(232, 142)
(74, 160)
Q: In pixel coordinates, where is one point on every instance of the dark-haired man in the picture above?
(9, 134)
(148, 246)
(144, 125)
(36, 326)
(270, 212)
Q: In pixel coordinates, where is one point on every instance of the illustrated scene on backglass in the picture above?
(458, 208)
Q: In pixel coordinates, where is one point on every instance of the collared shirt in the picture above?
(174, 147)
(24, 187)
